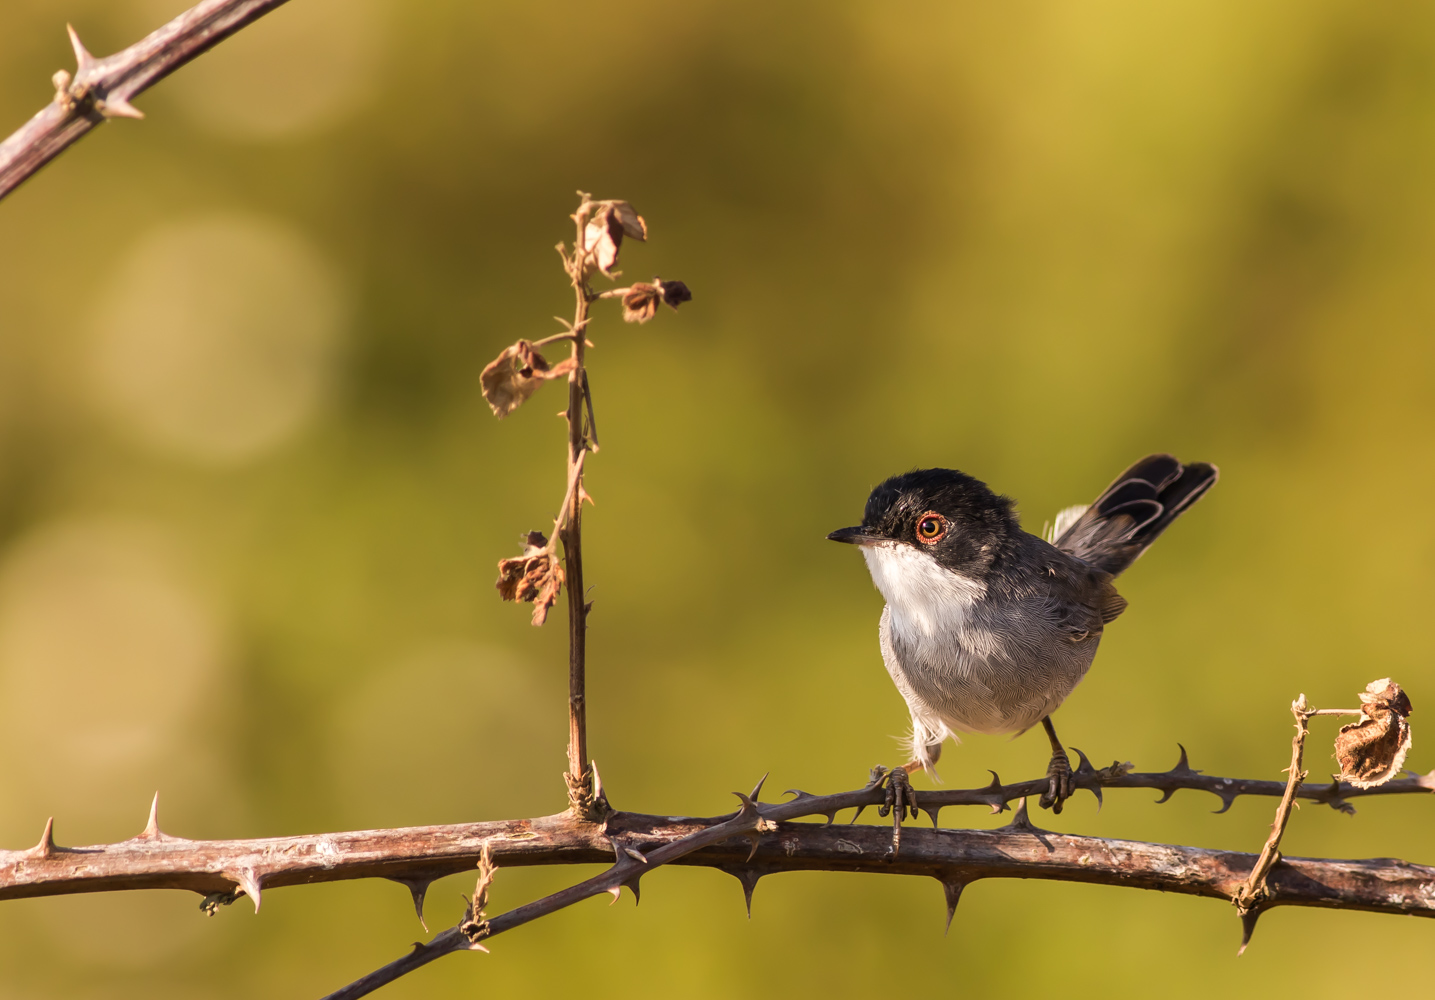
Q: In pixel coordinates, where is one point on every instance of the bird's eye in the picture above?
(931, 527)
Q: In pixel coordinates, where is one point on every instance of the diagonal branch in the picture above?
(103, 88)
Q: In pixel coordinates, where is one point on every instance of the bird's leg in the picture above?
(1058, 773)
(898, 797)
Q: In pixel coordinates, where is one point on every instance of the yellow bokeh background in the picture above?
(251, 499)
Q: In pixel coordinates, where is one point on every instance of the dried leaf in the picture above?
(603, 237)
(632, 222)
(640, 304)
(1373, 750)
(515, 375)
(535, 576)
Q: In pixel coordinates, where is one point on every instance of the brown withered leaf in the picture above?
(628, 217)
(509, 379)
(535, 576)
(1372, 751)
(603, 236)
(640, 304)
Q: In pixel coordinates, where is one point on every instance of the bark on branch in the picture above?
(103, 88)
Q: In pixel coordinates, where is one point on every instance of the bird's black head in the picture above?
(945, 513)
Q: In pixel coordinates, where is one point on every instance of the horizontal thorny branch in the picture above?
(418, 855)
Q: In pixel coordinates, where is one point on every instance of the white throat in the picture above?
(924, 596)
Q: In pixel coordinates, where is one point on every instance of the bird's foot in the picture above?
(1060, 785)
(898, 798)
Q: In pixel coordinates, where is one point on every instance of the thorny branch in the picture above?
(760, 839)
(416, 856)
(103, 88)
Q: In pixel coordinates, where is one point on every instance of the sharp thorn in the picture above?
(632, 884)
(248, 881)
(756, 839)
(855, 816)
(1227, 800)
(757, 788)
(1166, 795)
(46, 846)
(83, 59)
(933, 811)
(635, 854)
(952, 890)
(151, 828)
(996, 785)
(418, 889)
(616, 892)
(1084, 765)
(831, 818)
(1096, 790)
(1248, 927)
(117, 107)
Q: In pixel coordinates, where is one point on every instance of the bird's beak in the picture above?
(855, 536)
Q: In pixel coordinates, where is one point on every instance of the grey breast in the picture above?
(999, 666)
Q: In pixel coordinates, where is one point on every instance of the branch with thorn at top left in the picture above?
(101, 89)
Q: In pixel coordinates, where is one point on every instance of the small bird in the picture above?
(987, 628)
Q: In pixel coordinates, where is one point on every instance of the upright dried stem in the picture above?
(581, 794)
(1254, 891)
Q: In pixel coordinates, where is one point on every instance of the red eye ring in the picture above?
(931, 528)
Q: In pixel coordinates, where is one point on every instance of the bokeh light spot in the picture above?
(217, 337)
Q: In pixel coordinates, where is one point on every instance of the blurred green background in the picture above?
(251, 500)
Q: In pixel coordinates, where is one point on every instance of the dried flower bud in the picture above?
(515, 375)
(534, 576)
(640, 303)
(1373, 750)
(675, 293)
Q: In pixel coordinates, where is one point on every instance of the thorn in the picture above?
(1084, 767)
(632, 884)
(83, 59)
(248, 881)
(617, 892)
(932, 811)
(418, 889)
(748, 876)
(1183, 766)
(1228, 799)
(1165, 795)
(757, 788)
(1248, 927)
(117, 107)
(856, 816)
(1021, 822)
(46, 846)
(597, 778)
(756, 839)
(151, 828)
(952, 889)
(619, 851)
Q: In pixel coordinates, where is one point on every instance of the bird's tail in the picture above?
(1134, 510)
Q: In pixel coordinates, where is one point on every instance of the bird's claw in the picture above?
(898, 794)
(898, 799)
(1060, 785)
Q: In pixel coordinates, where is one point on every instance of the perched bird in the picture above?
(987, 628)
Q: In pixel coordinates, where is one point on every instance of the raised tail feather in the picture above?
(1134, 510)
